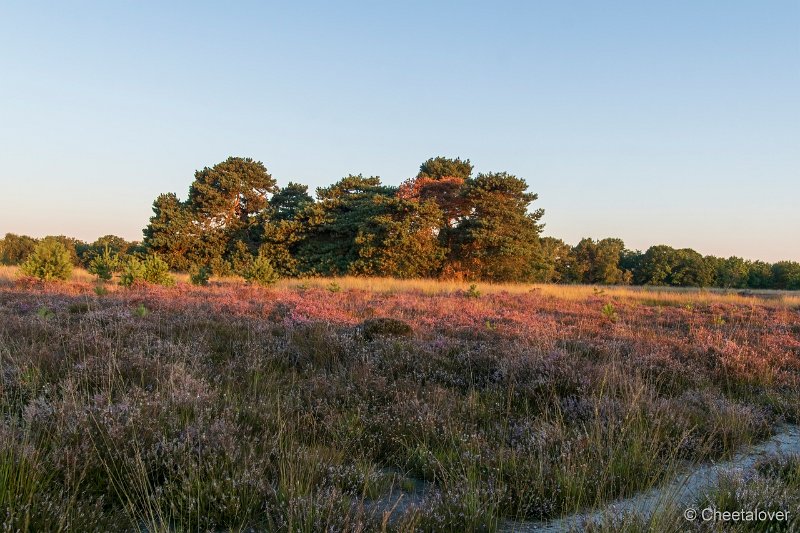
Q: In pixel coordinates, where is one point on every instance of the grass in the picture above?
(296, 408)
(649, 295)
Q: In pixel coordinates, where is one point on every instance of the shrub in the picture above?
(200, 275)
(49, 261)
(392, 327)
(334, 287)
(473, 292)
(261, 272)
(156, 271)
(104, 265)
(152, 269)
(609, 312)
(132, 271)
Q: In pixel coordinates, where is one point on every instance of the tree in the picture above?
(441, 180)
(664, 265)
(230, 193)
(15, 249)
(692, 270)
(630, 261)
(173, 236)
(440, 167)
(115, 245)
(499, 239)
(656, 266)
(49, 261)
(732, 272)
(226, 205)
(260, 272)
(282, 228)
(599, 262)
(151, 269)
(105, 264)
(71, 245)
(786, 275)
(399, 239)
(331, 225)
(555, 262)
(289, 201)
(760, 275)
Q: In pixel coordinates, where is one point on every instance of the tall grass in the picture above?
(664, 296)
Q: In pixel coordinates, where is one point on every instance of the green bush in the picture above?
(132, 271)
(200, 275)
(609, 312)
(104, 265)
(261, 272)
(49, 261)
(152, 269)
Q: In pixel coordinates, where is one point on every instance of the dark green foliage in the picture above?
(289, 201)
(599, 262)
(117, 246)
(49, 261)
(786, 275)
(230, 193)
(499, 240)
(71, 245)
(473, 292)
(437, 168)
(261, 272)
(732, 272)
(225, 211)
(331, 226)
(152, 269)
(172, 235)
(199, 275)
(555, 263)
(400, 241)
(384, 326)
(15, 249)
(104, 265)
(132, 272)
(241, 258)
(441, 223)
(664, 265)
(760, 275)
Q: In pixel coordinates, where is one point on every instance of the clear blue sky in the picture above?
(670, 122)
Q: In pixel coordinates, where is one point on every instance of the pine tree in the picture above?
(499, 239)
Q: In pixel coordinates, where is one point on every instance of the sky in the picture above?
(669, 122)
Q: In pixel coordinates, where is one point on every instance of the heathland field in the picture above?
(369, 404)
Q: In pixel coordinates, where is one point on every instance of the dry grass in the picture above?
(655, 295)
(668, 296)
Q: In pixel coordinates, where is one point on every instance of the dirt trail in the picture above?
(681, 492)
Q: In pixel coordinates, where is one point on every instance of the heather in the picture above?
(300, 408)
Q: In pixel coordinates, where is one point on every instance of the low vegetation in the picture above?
(298, 408)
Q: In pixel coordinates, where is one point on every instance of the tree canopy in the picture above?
(441, 222)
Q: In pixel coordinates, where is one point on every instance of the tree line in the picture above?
(445, 222)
